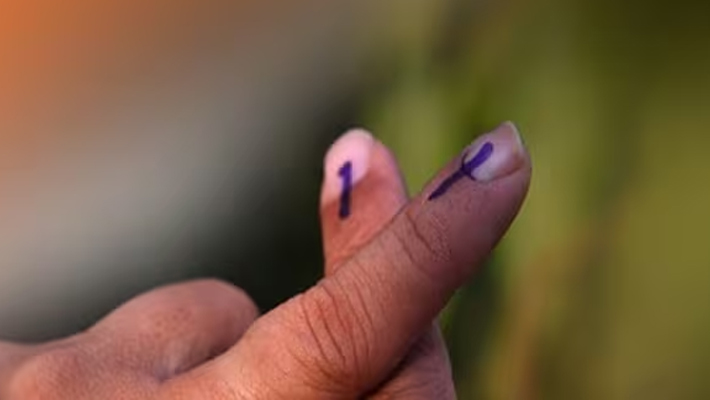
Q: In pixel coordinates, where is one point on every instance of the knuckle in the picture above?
(183, 307)
(218, 286)
(337, 332)
(56, 374)
(225, 292)
(215, 285)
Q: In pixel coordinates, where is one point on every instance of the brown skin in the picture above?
(365, 330)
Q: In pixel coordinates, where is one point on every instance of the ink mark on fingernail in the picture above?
(482, 156)
(466, 169)
(346, 174)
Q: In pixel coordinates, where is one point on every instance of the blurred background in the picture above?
(145, 142)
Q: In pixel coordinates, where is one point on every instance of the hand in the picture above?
(367, 329)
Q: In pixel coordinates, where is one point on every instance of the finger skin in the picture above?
(346, 334)
(171, 329)
(10, 356)
(132, 351)
(425, 372)
(376, 199)
(15, 356)
(387, 293)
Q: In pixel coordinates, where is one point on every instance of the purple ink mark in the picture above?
(483, 155)
(466, 169)
(346, 173)
(446, 184)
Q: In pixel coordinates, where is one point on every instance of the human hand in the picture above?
(367, 329)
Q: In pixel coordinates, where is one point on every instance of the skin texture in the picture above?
(366, 330)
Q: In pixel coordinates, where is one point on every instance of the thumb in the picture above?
(342, 337)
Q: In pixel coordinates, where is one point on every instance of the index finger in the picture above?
(343, 336)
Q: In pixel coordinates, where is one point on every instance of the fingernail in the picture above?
(346, 163)
(495, 155)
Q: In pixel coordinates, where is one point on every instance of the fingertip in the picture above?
(362, 190)
(346, 162)
(496, 154)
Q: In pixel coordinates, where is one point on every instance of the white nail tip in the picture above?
(355, 147)
(507, 156)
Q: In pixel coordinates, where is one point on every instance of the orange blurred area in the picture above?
(64, 63)
(144, 142)
(117, 112)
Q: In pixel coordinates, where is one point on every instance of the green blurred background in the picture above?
(601, 289)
